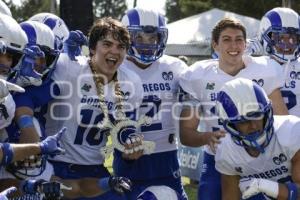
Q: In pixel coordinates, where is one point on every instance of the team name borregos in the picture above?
(95, 102)
(270, 173)
(150, 87)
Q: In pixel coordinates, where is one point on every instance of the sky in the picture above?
(152, 4)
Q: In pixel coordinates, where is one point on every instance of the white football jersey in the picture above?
(160, 86)
(291, 90)
(204, 80)
(78, 109)
(274, 164)
(7, 111)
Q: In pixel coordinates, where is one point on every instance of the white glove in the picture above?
(252, 186)
(254, 47)
(5, 87)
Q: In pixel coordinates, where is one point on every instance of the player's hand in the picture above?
(254, 47)
(119, 184)
(249, 187)
(213, 139)
(50, 145)
(8, 191)
(133, 147)
(72, 46)
(5, 87)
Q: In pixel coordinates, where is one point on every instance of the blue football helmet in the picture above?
(140, 21)
(242, 100)
(273, 26)
(40, 37)
(56, 24)
(161, 192)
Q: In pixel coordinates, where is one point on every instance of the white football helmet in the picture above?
(12, 40)
(273, 25)
(159, 193)
(55, 23)
(4, 9)
(243, 100)
(137, 21)
(40, 35)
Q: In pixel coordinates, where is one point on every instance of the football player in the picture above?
(160, 79)
(261, 153)
(203, 81)
(279, 37)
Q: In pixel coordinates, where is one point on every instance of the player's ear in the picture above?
(214, 45)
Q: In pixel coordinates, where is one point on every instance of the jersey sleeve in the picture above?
(222, 161)
(65, 71)
(7, 111)
(276, 77)
(35, 97)
(290, 137)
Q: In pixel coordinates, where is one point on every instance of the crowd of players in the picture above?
(58, 109)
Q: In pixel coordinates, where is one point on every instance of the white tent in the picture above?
(192, 35)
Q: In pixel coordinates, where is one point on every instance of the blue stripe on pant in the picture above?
(210, 180)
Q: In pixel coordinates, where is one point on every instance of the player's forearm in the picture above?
(85, 187)
(29, 135)
(191, 137)
(22, 151)
(289, 191)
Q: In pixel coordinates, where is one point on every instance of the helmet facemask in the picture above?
(147, 53)
(283, 43)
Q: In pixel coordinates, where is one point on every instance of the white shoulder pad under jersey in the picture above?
(291, 90)
(274, 164)
(160, 83)
(264, 71)
(7, 111)
(78, 109)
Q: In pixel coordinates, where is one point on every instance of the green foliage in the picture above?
(28, 8)
(113, 8)
(178, 9)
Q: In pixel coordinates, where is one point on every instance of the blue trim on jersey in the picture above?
(50, 22)
(148, 167)
(261, 99)
(274, 18)
(30, 32)
(229, 107)
(133, 17)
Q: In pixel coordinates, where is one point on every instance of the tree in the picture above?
(113, 8)
(28, 8)
(178, 9)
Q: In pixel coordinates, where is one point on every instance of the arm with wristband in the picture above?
(14, 152)
(288, 191)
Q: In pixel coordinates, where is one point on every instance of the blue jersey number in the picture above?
(89, 128)
(291, 98)
(213, 111)
(152, 102)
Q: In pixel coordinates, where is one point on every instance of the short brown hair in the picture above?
(107, 25)
(227, 23)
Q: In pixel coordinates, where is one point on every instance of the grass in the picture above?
(190, 189)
